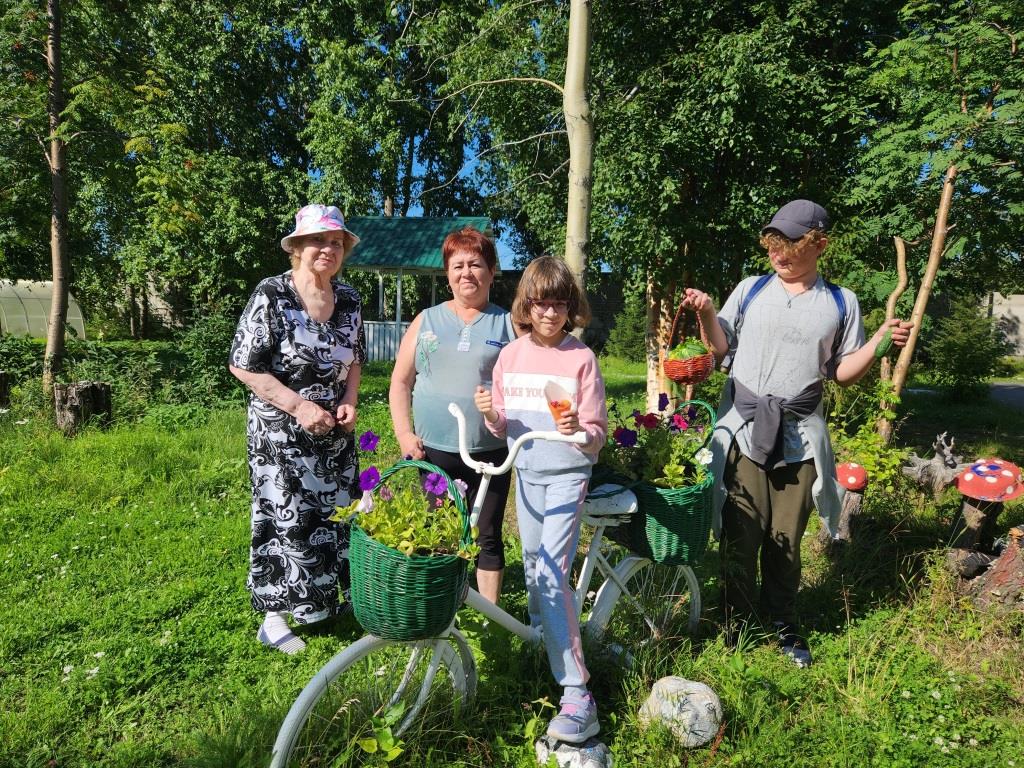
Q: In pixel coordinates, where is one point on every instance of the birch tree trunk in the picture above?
(659, 324)
(53, 360)
(580, 129)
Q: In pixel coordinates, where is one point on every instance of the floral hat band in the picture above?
(312, 219)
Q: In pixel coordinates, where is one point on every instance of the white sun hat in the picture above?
(311, 219)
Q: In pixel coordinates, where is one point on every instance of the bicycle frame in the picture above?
(593, 558)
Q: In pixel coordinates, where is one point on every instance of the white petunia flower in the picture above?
(703, 456)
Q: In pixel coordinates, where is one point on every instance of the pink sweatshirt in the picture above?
(523, 369)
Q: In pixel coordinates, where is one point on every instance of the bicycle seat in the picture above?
(607, 502)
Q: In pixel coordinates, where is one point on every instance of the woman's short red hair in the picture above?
(469, 240)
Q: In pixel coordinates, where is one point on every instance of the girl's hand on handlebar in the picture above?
(485, 403)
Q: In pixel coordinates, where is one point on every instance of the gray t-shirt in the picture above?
(785, 345)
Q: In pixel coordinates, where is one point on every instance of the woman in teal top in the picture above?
(447, 351)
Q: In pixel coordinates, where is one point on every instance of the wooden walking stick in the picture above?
(884, 424)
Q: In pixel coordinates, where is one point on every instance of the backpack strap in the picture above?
(837, 341)
(755, 289)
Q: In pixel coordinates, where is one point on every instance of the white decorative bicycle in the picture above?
(377, 691)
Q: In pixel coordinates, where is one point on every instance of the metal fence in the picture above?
(382, 339)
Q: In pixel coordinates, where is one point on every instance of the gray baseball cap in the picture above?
(798, 217)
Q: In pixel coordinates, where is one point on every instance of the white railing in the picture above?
(382, 339)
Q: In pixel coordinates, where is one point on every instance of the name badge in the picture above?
(464, 340)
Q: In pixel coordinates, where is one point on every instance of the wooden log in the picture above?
(852, 503)
(76, 404)
(975, 525)
(1002, 585)
(939, 472)
(967, 563)
(5, 390)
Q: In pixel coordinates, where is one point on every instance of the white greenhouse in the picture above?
(25, 309)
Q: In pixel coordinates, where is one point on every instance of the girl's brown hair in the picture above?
(548, 278)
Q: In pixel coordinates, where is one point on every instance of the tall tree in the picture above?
(579, 128)
(53, 360)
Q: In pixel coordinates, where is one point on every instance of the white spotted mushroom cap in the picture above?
(852, 476)
(991, 480)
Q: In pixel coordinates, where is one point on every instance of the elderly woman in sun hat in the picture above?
(299, 348)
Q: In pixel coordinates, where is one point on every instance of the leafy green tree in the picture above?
(966, 348)
(629, 329)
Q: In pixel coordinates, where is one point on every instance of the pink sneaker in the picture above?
(576, 720)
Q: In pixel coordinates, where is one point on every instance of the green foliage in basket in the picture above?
(413, 515)
(666, 449)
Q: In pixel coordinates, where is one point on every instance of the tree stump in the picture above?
(77, 403)
(5, 390)
(975, 526)
(854, 478)
(1002, 585)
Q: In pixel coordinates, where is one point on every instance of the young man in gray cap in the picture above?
(773, 460)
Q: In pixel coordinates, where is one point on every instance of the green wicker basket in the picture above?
(400, 597)
(672, 525)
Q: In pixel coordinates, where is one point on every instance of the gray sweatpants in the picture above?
(549, 525)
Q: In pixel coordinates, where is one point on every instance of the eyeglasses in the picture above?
(540, 306)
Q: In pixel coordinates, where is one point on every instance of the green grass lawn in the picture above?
(126, 638)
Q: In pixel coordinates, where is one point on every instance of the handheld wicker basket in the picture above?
(402, 597)
(672, 525)
(693, 370)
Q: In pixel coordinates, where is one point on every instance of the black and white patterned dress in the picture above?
(298, 556)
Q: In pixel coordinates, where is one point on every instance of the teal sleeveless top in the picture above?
(452, 358)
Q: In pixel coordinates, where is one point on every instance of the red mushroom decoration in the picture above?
(852, 476)
(985, 485)
(991, 480)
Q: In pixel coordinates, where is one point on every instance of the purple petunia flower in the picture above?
(368, 441)
(625, 437)
(369, 479)
(691, 412)
(435, 484)
(662, 401)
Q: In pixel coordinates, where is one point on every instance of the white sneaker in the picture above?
(576, 720)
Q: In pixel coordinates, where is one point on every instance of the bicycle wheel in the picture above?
(408, 687)
(660, 601)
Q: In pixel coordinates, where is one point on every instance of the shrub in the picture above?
(853, 413)
(966, 349)
(205, 377)
(627, 339)
(21, 357)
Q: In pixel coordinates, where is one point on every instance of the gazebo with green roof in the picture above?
(402, 245)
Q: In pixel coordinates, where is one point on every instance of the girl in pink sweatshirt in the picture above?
(551, 478)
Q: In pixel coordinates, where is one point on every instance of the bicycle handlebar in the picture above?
(579, 438)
